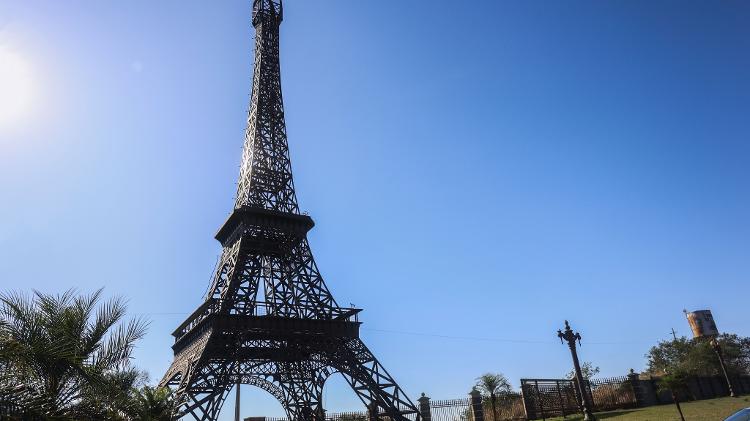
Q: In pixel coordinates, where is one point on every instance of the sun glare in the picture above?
(16, 87)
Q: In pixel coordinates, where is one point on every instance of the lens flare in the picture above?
(16, 87)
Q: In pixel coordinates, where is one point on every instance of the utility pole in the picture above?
(571, 338)
(674, 334)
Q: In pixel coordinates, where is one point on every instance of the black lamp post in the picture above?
(571, 338)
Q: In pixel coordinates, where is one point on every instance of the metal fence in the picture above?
(451, 410)
(611, 393)
(336, 416)
(544, 398)
(507, 407)
(503, 407)
(559, 397)
(330, 416)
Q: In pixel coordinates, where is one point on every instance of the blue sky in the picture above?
(478, 171)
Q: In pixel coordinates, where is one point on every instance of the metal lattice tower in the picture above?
(268, 319)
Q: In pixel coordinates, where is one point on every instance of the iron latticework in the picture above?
(268, 319)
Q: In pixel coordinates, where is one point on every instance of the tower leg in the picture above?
(205, 393)
(303, 383)
(372, 383)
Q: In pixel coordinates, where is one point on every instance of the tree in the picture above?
(115, 398)
(695, 357)
(151, 404)
(587, 369)
(674, 382)
(67, 355)
(493, 383)
(490, 384)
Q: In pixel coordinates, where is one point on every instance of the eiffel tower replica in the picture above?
(268, 319)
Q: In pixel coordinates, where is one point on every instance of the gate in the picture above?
(544, 398)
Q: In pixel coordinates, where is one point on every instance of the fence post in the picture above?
(655, 389)
(527, 399)
(424, 408)
(635, 384)
(560, 398)
(476, 405)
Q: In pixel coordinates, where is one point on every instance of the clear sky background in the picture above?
(478, 171)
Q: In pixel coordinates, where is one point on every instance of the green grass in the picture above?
(707, 410)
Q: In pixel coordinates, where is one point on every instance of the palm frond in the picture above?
(117, 349)
(66, 355)
(108, 315)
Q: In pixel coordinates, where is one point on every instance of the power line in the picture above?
(487, 339)
(470, 338)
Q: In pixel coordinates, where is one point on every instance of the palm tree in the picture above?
(116, 396)
(151, 404)
(62, 350)
(491, 384)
